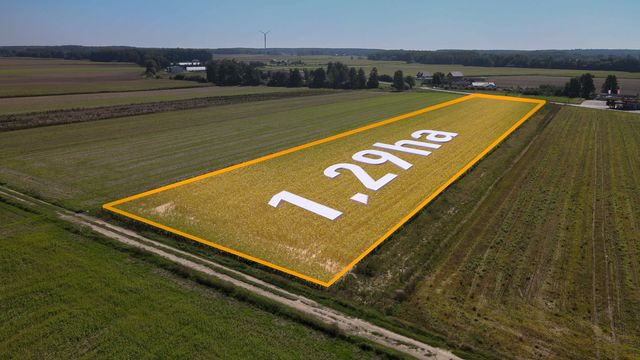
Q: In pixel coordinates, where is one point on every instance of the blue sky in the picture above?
(393, 24)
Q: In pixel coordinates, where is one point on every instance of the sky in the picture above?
(391, 24)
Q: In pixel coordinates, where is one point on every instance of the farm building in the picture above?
(455, 75)
(424, 76)
(186, 66)
(479, 85)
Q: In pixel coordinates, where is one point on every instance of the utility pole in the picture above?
(264, 33)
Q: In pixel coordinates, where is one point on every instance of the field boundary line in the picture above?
(111, 206)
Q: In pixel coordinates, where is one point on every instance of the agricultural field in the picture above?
(627, 86)
(533, 254)
(18, 105)
(240, 210)
(64, 294)
(31, 77)
(389, 67)
(85, 165)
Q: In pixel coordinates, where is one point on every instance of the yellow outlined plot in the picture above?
(391, 184)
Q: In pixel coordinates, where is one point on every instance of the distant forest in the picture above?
(141, 56)
(587, 59)
(612, 60)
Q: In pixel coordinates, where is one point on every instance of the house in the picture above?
(175, 69)
(195, 68)
(455, 75)
(194, 62)
(424, 76)
(283, 62)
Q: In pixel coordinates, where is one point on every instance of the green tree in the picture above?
(438, 79)
(610, 83)
(295, 80)
(361, 79)
(318, 78)
(398, 80)
(572, 88)
(587, 88)
(337, 75)
(410, 81)
(353, 78)
(373, 82)
(151, 67)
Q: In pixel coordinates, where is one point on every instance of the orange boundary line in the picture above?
(111, 205)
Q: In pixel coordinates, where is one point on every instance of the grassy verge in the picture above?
(67, 292)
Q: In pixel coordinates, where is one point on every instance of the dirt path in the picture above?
(348, 324)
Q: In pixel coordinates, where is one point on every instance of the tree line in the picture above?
(583, 86)
(336, 76)
(581, 60)
(148, 57)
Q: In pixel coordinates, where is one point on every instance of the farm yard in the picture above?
(233, 209)
(32, 77)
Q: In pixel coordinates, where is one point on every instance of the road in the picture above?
(348, 324)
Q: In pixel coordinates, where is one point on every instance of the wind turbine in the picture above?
(265, 37)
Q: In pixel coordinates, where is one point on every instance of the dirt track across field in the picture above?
(350, 325)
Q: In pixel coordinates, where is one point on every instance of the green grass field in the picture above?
(531, 255)
(389, 67)
(85, 165)
(64, 295)
(31, 77)
(17, 105)
(232, 209)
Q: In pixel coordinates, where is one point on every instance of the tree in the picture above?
(410, 81)
(337, 75)
(572, 88)
(398, 80)
(361, 79)
(373, 82)
(353, 79)
(278, 78)
(151, 67)
(438, 79)
(295, 80)
(610, 83)
(318, 78)
(587, 88)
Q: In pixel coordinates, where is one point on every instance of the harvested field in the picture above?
(84, 165)
(628, 86)
(534, 254)
(18, 105)
(29, 77)
(30, 120)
